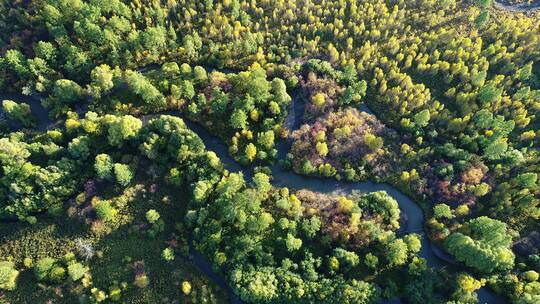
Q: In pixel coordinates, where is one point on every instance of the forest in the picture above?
(258, 151)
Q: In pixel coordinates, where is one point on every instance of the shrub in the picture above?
(28, 262)
(152, 216)
(186, 287)
(43, 268)
(8, 276)
(318, 100)
(115, 293)
(76, 271)
(141, 281)
(105, 211)
(167, 254)
(57, 274)
(99, 295)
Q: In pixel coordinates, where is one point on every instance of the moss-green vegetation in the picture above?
(438, 98)
(109, 256)
(92, 246)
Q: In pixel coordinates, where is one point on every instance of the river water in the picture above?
(517, 8)
(291, 180)
(285, 178)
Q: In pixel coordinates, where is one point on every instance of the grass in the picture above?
(118, 247)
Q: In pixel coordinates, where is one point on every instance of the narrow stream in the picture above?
(285, 178)
(517, 8)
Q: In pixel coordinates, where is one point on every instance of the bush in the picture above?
(49, 270)
(43, 268)
(318, 100)
(152, 216)
(8, 276)
(76, 271)
(167, 254)
(141, 281)
(115, 293)
(186, 287)
(105, 211)
(57, 274)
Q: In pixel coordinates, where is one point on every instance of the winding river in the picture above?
(517, 8)
(285, 178)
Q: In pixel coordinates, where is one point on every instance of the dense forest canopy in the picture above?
(308, 151)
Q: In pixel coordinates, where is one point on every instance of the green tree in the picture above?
(496, 149)
(199, 74)
(142, 87)
(465, 289)
(489, 93)
(483, 3)
(397, 252)
(122, 174)
(292, 243)
(484, 245)
(318, 100)
(44, 268)
(531, 275)
(188, 91)
(171, 69)
(167, 254)
(422, 118)
(413, 243)
(266, 139)
(123, 128)
(154, 39)
(525, 73)
(103, 166)
(358, 292)
(482, 19)
(442, 211)
(102, 81)
(371, 261)
(262, 183)
(201, 190)
(239, 119)
(64, 94)
(527, 180)
(322, 149)
(251, 152)
(347, 258)
(19, 112)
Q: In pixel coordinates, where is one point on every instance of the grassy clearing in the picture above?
(119, 246)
